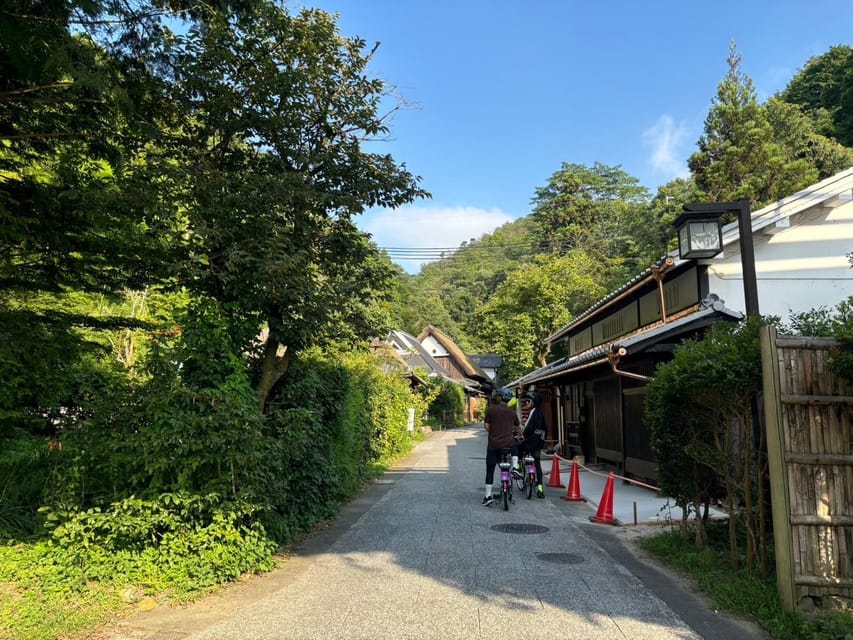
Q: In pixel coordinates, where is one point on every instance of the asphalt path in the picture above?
(416, 556)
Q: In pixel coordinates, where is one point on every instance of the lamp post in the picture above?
(700, 236)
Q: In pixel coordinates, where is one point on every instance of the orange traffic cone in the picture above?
(554, 478)
(605, 507)
(574, 492)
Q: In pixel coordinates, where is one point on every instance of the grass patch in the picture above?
(744, 593)
(40, 602)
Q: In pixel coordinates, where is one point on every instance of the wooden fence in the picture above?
(809, 413)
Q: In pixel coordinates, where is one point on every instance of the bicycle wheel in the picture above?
(520, 483)
(531, 480)
(505, 488)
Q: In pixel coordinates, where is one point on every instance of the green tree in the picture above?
(652, 230)
(447, 400)
(738, 156)
(798, 135)
(589, 208)
(70, 221)
(533, 303)
(699, 411)
(274, 110)
(447, 293)
(824, 88)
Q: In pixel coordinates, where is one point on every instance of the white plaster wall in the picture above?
(433, 347)
(799, 268)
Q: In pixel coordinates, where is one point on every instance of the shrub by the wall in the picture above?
(450, 398)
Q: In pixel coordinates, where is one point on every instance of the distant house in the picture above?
(460, 366)
(490, 363)
(594, 395)
(405, 355)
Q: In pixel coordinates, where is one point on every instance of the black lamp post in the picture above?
(700, 236)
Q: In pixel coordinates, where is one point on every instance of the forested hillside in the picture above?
(590, 228)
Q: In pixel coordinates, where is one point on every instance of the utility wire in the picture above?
(430, 253)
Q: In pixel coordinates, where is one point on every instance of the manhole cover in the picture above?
(519, 528)
(560, 558)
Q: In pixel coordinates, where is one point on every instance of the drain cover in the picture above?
(560, 558)
(519, 528)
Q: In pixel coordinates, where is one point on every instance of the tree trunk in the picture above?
(731, 497)
(276, 360)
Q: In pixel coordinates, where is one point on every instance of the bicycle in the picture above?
(527, 481)
(505, 466)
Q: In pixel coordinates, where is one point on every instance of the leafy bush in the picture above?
(836, 323)
(818, 322)
(699, 411)
(335, 419)
(450, 398)
(24, 465)
(178, 542)
(841, 360)
(162, 435)
(186, 421)
(170, 479)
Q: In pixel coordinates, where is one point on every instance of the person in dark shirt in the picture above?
(502, 424)
(533, 436)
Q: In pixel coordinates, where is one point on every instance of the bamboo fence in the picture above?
(809, 413)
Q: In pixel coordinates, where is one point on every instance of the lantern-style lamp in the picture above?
(699, 233)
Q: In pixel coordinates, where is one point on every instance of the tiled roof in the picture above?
(413, 354)
(487, 360)
(711, 310)
(837, 187)
(640, 279)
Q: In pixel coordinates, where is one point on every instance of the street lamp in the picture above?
(700, 236)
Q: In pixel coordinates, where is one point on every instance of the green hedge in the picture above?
(170, 480)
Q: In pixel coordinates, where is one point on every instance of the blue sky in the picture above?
(499, 94)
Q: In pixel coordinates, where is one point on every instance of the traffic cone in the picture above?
(574, 492)
(605, 507)
(554, 478)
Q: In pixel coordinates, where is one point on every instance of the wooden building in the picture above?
(478, 384)
(595, 393)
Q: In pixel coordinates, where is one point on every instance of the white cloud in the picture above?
(428, 229)
(666, 139)
(773, 80)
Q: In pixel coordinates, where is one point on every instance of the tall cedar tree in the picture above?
(738, 156)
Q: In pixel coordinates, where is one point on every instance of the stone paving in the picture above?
(418, 557)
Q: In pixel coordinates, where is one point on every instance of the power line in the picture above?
(432, 253)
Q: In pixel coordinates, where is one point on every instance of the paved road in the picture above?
(418, 557)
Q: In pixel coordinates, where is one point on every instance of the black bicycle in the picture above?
(527, 481)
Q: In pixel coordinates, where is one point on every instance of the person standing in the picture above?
(533, 436)
(502, 424)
